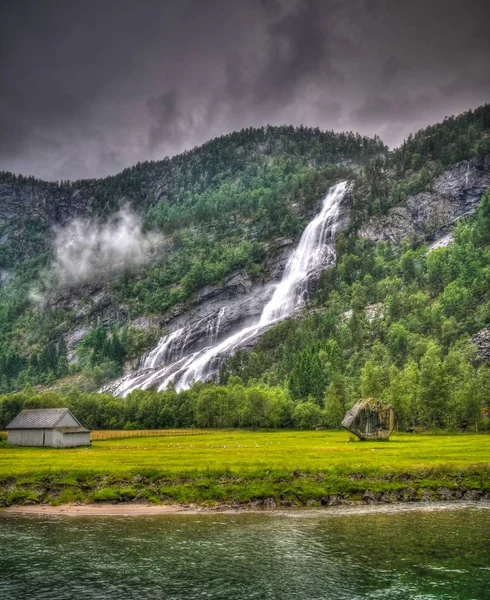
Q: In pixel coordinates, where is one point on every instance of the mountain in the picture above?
(189, 251)
(225, 207)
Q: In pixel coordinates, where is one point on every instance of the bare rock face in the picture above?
(482, 342)
(454, 194)
(370, 420)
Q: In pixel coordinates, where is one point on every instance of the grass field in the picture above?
(241, 465)
(112, 434)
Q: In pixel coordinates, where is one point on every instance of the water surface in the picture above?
(439, 552)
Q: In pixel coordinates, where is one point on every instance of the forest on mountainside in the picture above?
(389, 321)
(217, 207)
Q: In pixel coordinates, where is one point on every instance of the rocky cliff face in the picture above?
(481, 339)
(47, 203)
(456, 193)
(95, 304)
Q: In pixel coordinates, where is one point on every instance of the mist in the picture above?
(87, 251)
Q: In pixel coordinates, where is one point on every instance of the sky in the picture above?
(88, 87)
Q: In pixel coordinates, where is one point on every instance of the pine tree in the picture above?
(62, 363)
(336, 400)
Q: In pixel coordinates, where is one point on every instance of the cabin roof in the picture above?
(73, 429)
(39, 418)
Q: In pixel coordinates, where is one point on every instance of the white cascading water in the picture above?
(315, 251)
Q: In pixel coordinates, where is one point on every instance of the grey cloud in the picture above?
(297, 49)
(87, 88)
(172, 121)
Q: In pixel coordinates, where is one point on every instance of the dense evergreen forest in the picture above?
(389, 321)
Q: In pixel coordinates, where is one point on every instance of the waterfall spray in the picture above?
(315, 251)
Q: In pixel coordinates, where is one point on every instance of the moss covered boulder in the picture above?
(370, 420)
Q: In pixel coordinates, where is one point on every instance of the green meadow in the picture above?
(240, 466)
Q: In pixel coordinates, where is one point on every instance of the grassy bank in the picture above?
(280, 467)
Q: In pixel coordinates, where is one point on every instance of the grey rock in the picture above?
(441, 242)
(426, 496)
(445, 494)
(370, 420)
(311, 503)
(404, 477)
(389, 498)
(72, 339)
(370, 497)
(269, 503)
(48, 203)
(482, 342)
(408, 495)
(331, 500)
(472, 495)
(456, 193)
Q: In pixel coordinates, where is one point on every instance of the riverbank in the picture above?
(140, 510)
(262, 490)
(97, 510)
(250, 469)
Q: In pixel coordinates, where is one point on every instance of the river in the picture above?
(396, 553)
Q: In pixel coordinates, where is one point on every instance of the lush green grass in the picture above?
(240, 451)
(241, 466)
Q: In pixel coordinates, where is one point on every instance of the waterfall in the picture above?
(164, 351)
(314, 252)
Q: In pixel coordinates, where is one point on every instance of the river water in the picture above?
(406, 553)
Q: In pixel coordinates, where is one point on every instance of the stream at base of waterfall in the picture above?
(171, 362)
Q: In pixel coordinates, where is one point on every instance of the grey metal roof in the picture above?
(73, 429)
(37, 418)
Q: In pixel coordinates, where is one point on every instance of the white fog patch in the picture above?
(87, 251)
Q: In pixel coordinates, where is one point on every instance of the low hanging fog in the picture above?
(87, 251)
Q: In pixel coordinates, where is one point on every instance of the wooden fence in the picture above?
(110, 434)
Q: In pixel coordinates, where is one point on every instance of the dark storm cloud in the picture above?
(298, 50)
(87, 88)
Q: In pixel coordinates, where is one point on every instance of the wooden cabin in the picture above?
(55, 427)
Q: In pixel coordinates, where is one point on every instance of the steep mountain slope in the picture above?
(230, 214)
(230, 206)
(431, 213)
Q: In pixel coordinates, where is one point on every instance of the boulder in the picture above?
(370, 420)
(369, 497)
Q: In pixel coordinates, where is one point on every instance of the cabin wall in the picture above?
(30, 437)
(47, 437)
(70, 440)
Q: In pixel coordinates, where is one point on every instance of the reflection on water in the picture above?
(421, 554)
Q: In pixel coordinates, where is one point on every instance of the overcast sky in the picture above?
(88, 87)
